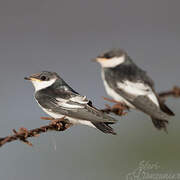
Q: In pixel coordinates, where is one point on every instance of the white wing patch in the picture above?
(138, 89)
(79, 100)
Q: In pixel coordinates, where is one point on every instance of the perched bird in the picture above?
(125, 82)
(59, 100)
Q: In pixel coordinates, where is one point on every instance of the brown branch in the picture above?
(62, 124)
(23, 134)
(175, 92)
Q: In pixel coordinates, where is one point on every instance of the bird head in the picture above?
(111, 58)
(43, 79)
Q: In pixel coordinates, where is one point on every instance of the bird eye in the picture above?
(43, 78)
(107, 56)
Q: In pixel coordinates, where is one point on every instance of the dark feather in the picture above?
(47, 99)
(127, 71)
(160, 124)
(144, 104)
(104, 127)
(165, 108)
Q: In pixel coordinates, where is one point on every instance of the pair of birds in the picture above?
(124, 81)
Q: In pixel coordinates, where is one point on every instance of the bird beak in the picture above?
(31, 78)
(94, 60)
(27, 78)
(98, 59)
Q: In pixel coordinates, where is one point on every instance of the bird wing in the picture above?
(142, 97)
(76, 107)
(146, 105)
(138, 88)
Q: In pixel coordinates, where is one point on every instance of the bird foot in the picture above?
(58, 122)
(117, 108)
(68, 125)
(120, 107)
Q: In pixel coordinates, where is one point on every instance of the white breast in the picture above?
(111, 92)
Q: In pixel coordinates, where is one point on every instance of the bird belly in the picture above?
(111, 92)
(71, 120)
(83, 122)
(116, 96)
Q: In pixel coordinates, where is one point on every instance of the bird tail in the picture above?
(166, 109)
(160, 124)
(104, 127)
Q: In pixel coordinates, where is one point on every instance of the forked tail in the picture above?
(104, 127)
(160, 124)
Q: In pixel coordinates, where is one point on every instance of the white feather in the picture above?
(39, 85)
(64, 103)
(79, 99)
(138, 89)
(111, 92)
(113, 62)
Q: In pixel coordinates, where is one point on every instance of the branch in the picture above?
(62, 124)
(174, 92)
(23, 133)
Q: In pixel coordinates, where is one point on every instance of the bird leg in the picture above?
(119, 107)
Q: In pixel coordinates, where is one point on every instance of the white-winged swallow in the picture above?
(59, 100)
(125, 82)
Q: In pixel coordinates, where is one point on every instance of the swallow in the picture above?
(59, 100)
(127, 83)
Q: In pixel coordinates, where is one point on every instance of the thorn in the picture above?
(22, 137)
(24, 130)
(47, 118)
(110, 100)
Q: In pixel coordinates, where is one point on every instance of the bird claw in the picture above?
(68, 125)
(60, 122)
(117, 108)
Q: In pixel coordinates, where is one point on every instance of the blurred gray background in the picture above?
(62, 36)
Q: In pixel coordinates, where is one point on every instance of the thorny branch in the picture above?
(61, 124)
